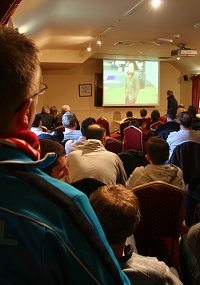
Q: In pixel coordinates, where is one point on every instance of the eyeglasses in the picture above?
(42, 89)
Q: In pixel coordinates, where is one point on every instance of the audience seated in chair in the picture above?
(155, 122)
(170, 126)
(48, 120)
(129, 116)
(69, 121)
(71, 145)
(64, 109)
(92, 160)
(157, 154)
(53, 135)
(37, 125)
(118, 212)
(195, 119)
(185, 134)
(58, 169)
(190, 256)
(53, 111)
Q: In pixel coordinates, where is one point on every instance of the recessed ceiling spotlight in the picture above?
(98, 42)
(156, 3)
(197, 26)
(89, 47)
(178, 58)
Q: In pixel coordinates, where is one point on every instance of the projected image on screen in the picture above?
(131, 83)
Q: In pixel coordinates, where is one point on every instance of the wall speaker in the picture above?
(98, 89)
(185, 77)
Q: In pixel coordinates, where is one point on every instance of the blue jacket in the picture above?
(49, 233)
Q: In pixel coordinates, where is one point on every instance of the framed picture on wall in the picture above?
(85, 90)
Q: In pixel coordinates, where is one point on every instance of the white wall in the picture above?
(63, 89)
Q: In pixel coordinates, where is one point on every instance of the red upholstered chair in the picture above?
(105, 124)
(161, 207)
(133, 138)
(114, 145)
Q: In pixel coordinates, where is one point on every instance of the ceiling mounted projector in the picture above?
(183, 51)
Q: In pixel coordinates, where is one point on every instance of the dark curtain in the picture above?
(195, 91)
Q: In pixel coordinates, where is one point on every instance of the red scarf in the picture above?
(25, 140)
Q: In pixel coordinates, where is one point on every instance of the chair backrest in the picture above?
(132, 160)
(133, 138)
(87, 185)
(114, 145)
(161, 207)
(105, 124)
(122, 126)
(186, 156)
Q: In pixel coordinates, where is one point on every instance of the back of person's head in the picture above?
(171, 115)
(37, 121)
(96, 132)
(51, 146)
(134, 123)
(69, 120)
(117, 209)
(65, 108)
(129, 114)
(86, 123)
(58, 169)
(19, 73)
(53, 110)
(192, 111)
(143, 113)
(185, 119)
(155, 115)
(157, 150)
(45, 109)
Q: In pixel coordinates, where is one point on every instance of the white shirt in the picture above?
(176, 138)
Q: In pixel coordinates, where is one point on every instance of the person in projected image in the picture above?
(131, 85)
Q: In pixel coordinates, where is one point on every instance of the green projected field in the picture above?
(116, 96)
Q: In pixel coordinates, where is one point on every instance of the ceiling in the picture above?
(64, 28)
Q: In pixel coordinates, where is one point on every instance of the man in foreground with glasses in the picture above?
(49, 232)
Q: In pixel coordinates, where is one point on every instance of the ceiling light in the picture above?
(89, 47)
(98, 42)
(178, 58)
(132, 9)
(107, 30)
(155, 3)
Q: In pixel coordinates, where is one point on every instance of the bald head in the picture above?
(96, 132)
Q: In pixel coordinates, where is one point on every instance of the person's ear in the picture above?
(24, 113)
(147, 157)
